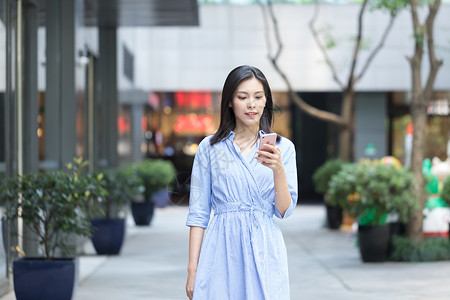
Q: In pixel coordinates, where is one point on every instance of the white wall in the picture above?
(199, 58)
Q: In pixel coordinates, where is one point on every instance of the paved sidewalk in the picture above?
(323, 264)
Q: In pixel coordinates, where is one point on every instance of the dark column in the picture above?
(61, 101)
(30, 106)
(30, 88)
(109, 102)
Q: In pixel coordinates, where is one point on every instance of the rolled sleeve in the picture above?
(290, 168)
(200, 188)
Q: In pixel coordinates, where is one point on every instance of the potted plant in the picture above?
(156, 176)
(53, 205)
(122, 185)
(321, 177)
(370, 192)
(445, 193)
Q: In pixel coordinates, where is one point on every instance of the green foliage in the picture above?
(325, 33)
(445, 193)
(53, 204)
(156, 174)
(322, 175)
(392, 6)
(431, 249)
(374, 190)
(123, 185)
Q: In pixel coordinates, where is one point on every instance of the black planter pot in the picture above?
(37, 279)
(108, 235)
(334, 216)
(142, 212)
(374, 242)
(397, 229)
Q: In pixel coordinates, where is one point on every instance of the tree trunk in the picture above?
(424, 34)
(419, 118)
(346, 131)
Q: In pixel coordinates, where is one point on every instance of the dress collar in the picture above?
(231, 134)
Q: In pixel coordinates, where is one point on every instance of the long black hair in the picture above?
(227, 117)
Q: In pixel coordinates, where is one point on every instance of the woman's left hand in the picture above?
(270, 157)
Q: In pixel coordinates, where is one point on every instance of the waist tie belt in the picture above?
(249, 208)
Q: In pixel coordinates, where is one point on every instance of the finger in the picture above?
(263, 152)
(268, 155)
(262, 158)
(269, 147)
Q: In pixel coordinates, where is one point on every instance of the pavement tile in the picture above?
(323, 264)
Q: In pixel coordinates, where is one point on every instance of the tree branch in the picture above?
(377, 48)
(276, 30)
(434, 62)
(416, 60)
(351, 80)
(322, 47)
(266, 28)
(320, 114)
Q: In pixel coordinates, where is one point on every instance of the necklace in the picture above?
(246, 145)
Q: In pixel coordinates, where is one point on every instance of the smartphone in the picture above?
(269, 138)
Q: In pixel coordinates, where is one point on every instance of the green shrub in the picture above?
(123, 185)
(445, 193)
(322, 175)
(53, 204)
(431, 249)
(156, 174)
(372, 191)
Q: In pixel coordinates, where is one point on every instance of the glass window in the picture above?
(248, 2)
(437, 128)
(4, 118)
(2, 84)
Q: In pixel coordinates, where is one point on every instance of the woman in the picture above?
(243, 256)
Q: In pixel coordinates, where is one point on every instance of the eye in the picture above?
(258, 97)
(242, 98)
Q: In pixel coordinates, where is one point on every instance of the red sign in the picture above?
(193, 122)
(193, 99)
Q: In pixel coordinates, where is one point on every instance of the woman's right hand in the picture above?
(190, 284)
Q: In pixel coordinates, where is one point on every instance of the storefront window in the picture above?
(248, 2)
(124, 137)
(437, 130)
(4, 122)
(2, 85)
(174, 123)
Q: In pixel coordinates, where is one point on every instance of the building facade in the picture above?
(117, 81)
(180, 73)
(58, 86)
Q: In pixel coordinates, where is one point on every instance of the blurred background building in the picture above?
(117, 81)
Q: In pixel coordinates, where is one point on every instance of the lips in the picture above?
(251, 114)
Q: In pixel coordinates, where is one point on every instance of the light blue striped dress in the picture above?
(243, 255)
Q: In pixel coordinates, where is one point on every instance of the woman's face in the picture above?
(248, 103)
